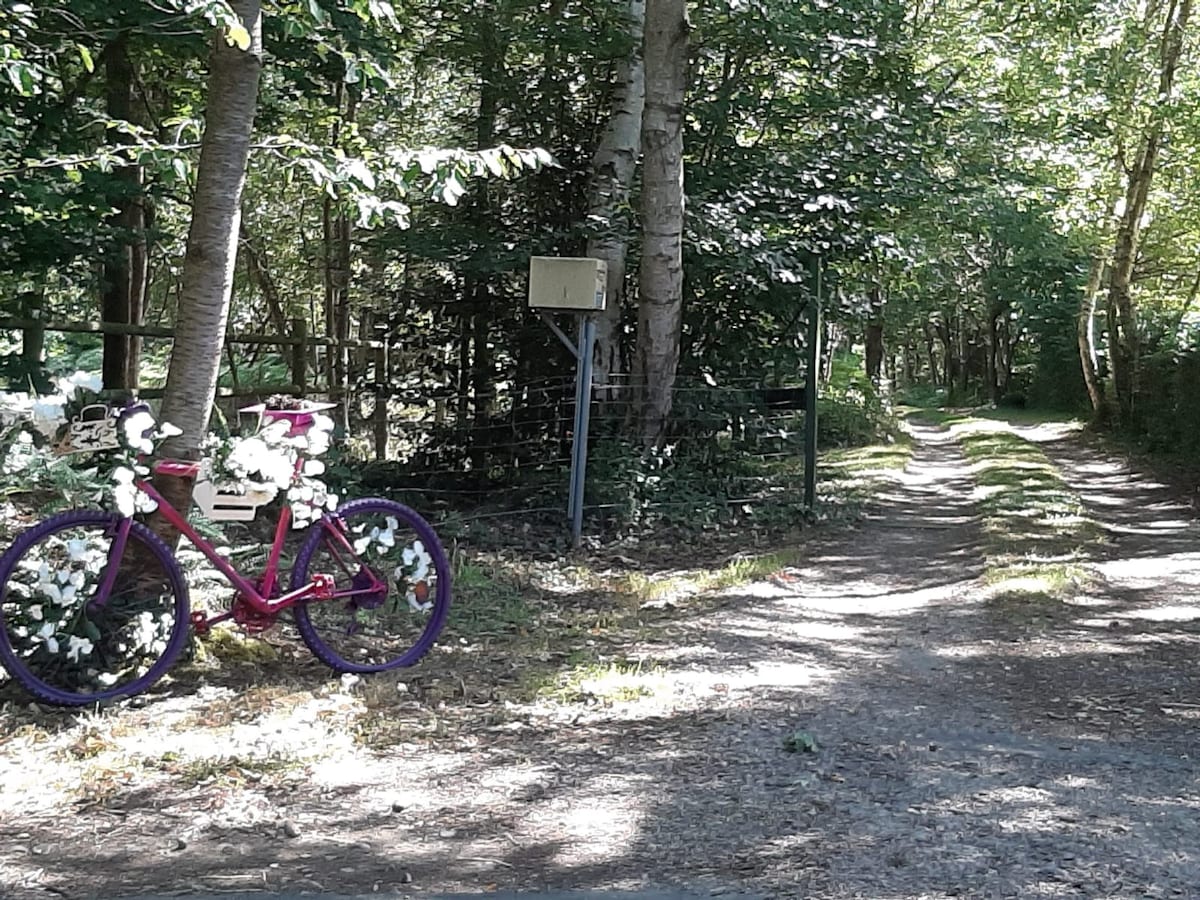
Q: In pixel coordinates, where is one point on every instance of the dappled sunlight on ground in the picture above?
(874, 719)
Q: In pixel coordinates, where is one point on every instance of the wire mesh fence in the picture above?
(733, 449)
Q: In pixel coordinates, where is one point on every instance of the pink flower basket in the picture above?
(300, 419)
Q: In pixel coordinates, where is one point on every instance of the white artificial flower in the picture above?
(77, 645)
(135, 427)
(35, 612)
(314, 467)
(276, 430)
(278, 469)
(167, 430)
(77, 550)
(47, 414)
(80, 379)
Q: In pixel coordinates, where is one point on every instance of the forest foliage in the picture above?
(997, 196)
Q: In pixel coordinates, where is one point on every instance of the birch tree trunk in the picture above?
(1085, 336)
(613, 168)
(660, 284)
(1124, 343)
(208, 265)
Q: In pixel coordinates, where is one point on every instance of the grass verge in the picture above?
(1037, 531)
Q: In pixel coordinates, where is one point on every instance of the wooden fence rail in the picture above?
(299, 340)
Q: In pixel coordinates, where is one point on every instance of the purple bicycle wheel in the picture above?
(391, 587)
(64, 642)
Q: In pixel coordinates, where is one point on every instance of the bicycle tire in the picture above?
(151, 637)
(335, 629)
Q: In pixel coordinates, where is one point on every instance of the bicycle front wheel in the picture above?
(85, 616)
(390, 587)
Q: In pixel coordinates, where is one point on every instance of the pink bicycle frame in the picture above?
(258, 597)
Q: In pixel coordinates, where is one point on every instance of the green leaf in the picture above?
(86, 55)
(317, 12)
(238, 36)
(800, 742)
(358, 170)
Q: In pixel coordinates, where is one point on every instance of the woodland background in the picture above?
(997, 197)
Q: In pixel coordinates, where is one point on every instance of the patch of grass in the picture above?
(1037, 529)
(231, 645)
(639, 588)
(1018, 416)
(618, 681)
(938, 417)
(849, 478)
(745, 570)
(489, 600)
(872, 460)
(1035, 577)
(221, 770)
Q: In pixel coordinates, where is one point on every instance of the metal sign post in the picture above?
(812, 379)
(576, 285)
(582, 352)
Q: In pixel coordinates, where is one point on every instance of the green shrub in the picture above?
(851, 411)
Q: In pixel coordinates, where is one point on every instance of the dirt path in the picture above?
(957, 753)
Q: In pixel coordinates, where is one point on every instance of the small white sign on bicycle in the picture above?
(95, 428)
(219, 505)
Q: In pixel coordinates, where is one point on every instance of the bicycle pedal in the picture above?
(323, 586)
(200, 623)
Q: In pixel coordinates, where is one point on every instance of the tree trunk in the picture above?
(873, 336)
(964, 353)
(125, 268)
(613, 168)
(463, 383)
(935, 376)
(33, 340)
(1085, 334)
(336, 229)
(660, 308)
(994, 352)
(1124, 342)
(211, 256)
(260, 274)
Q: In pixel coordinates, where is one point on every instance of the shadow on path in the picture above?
(954, 752)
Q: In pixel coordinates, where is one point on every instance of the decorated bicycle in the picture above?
(94, 605)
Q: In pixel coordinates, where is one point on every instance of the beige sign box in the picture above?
(569, 283)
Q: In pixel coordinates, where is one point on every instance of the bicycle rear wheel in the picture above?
(391, 587)
(85, 617)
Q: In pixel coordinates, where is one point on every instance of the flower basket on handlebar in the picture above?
(300, 419)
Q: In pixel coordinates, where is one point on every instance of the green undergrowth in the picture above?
(1037, 531)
